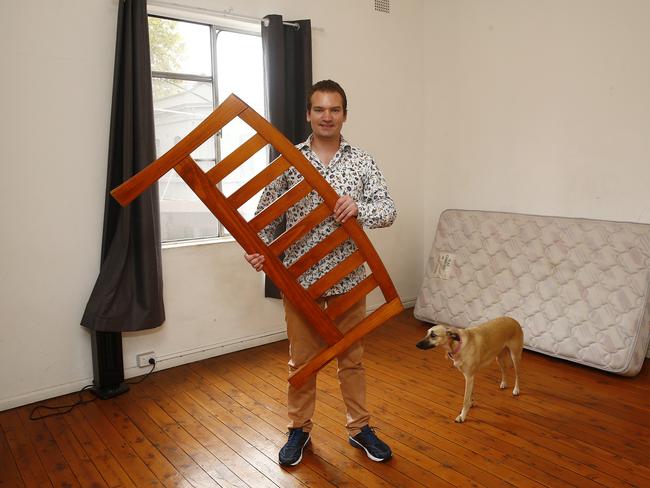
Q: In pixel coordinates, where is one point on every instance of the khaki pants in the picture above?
(305, 343)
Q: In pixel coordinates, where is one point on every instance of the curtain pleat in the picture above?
(127, 295)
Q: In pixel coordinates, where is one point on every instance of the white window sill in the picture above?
(197, 242)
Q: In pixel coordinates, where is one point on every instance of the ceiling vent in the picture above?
(382, 6)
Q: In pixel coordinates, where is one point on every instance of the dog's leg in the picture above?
(501, 358)
(467, 401)
(515, 355)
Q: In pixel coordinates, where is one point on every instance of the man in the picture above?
(354, 175)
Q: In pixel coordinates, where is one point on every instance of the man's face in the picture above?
(326, 115)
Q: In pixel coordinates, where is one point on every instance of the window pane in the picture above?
(182, 215)
(180, 47)
(239, 71)
(181, 102)
(179, 106)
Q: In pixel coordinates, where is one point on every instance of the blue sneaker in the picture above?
(375, 448)
(291, 452)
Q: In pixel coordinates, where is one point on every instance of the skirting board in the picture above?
(162, 362)
(197, 354)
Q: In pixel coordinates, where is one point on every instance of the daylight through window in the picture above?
(195, 67)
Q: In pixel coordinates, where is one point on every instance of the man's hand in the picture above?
(255, 260)
(345, 208)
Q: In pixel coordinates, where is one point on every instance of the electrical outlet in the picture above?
(143, 359)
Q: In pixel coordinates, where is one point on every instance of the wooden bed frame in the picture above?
(204, 184)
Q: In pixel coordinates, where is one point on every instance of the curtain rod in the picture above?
(228, 13)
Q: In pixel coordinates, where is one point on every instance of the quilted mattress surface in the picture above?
(579, 288)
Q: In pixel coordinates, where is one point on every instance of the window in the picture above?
(194, 67)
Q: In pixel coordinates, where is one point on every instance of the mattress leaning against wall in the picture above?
(580, 288)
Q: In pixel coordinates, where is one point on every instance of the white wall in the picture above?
(538, 107)
(516, 105)
(543, 108)
(56, 90)
(56, 94)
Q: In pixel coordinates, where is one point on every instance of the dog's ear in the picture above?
(453, 335)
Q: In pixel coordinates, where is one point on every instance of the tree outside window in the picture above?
(194, 67)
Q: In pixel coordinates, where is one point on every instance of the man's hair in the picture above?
(328, 86)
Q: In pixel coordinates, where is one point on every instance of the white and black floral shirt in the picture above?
(351, 172)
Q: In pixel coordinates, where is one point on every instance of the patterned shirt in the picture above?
(351, 172)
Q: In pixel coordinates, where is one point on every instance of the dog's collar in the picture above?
(454, 349)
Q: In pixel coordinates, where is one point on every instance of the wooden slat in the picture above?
(299, 229)
(250, 241)
(345, 267)
(236, 382)
(371, 322)
(9, 474)
(428, 451)
(258, 182)
(53, 461)
(316, 181)
(340, 304)
(218, 468)
(280, 205)
(25, 457)
(421, 445)
(121, 450)
(291, 153)
(80, 463)
(267, 367)
(165, 442)
(134, 186)
(148, 452)
(330, 441)
(96, 450)
(318, 252)
(249, 464)
(211, 405)
(235, 159)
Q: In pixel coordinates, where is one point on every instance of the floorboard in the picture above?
(220, 422)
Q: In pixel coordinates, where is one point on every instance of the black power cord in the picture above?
(152, 361)
(61, 409)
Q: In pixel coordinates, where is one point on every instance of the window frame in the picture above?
(216, 26)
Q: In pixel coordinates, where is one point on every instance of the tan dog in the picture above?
(473, 348)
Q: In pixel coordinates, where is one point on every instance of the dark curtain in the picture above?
(287, 78)
(128, 292)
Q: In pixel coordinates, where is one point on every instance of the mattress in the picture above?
(579, 288)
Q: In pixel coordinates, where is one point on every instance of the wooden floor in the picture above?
(220, 422)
